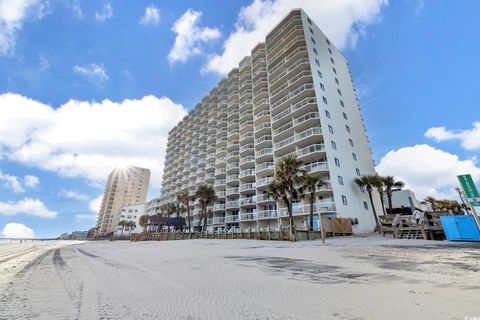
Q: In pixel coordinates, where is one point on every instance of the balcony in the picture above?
(264, 182)
(267, 214)
(221, 194)
(300, 210)
(316, 166)
(232, 191)
(297, 106)
(303, 89)
(217, 220)
(264, 198)
(233, 178)
(265, 166)
(247, 173)
(248, 201)
(219, 207)
(248, 187)
(229, 219)
(247, 159)
(264, 152)
(247, 135)
(246, 148)
(297, 122)
(219, 183)
(248, 216)
(297, 137)
(231, 204)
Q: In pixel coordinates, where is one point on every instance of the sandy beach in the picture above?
(349, 278)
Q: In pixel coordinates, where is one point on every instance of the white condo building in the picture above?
(125, 186)
(131, 213)
(292, 96)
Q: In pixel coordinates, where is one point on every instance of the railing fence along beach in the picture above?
(331, 226)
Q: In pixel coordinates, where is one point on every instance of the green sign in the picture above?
(470, 189)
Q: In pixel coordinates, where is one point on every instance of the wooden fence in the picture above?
(332, 227)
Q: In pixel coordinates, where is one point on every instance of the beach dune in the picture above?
(349, 278)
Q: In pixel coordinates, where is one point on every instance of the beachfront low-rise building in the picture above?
(293, 95)
(131, 213)
(124, 187)
(405, 198)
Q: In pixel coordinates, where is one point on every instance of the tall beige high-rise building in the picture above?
(293, 95)
(125, 186)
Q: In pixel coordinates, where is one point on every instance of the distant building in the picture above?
(152, 207)
(405, 198)
(131, 214)
(126, 186)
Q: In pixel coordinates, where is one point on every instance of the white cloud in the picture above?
(93, 72)
(88, 139)
(12, 15)
(44, 9)
(428, 171)
(106, 13)
(151, 16)
(29, 206)
(11, 182)
(17, 230)
(95, 204)
(73, 194)
(31, 181)
(76, 8)
(343, 21)
(469, 138)
(189, 36)
(81, 217)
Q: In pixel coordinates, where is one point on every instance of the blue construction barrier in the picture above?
(460, 228)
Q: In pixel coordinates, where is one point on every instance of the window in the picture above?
(348, 129)
(322, 86)
(328, 41)
(317, 62)
(330, 50)
(362, 188)
(340, 180)
(342, 104)
(358, 171)
(327, 114)
(331, 60)
(365, 205)
(334, 145)
(345, 116)
(334, 70)
(354, 156)
(344, 200)
(319, 74)
(330, 128)
(309, 21)
(313, 40)
(311, 30)
(337, 162)
(336, 81)
(315, 51)
(351, 142)
(339, 91)
(324, 100)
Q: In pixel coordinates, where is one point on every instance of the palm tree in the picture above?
(184, 198)
(288, 175)
(122, 224)
(206, 194)
(310, 186)
(389, 182)
(431, 201)
(369, 181)
(379, 186)
(143, 220)
(131, 225)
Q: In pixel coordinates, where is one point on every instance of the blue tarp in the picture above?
(460, 228)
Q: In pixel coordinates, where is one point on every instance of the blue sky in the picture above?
(415, 64)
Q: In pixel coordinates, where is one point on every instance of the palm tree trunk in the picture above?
(383, 204)
(204, 210)
(390, 205)
(374, 211)
(290, 218)
(188, 216)
(312, 198)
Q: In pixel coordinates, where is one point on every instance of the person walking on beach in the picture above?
(418, 215)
